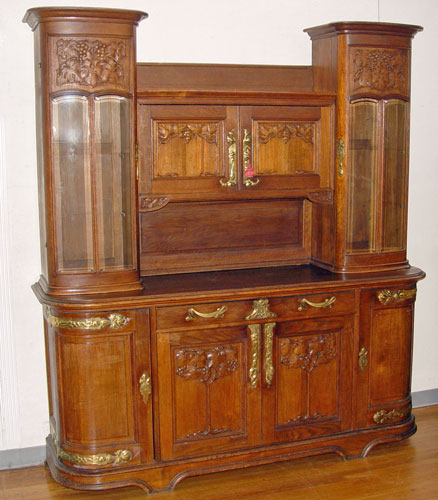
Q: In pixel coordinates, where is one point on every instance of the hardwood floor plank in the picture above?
(407, 470)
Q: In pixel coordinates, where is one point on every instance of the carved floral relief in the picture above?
(285, 132)
(380, 69)
(308, 352)
(187, 132)
(206, 365)
(90, 62)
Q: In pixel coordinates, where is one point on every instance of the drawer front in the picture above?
(193, 316)
(203, 314)
(310, 305)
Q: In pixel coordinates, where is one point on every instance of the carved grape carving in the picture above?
(90, 62)
(187, 132)
(206, 365)
(286, 132)
(380, 69)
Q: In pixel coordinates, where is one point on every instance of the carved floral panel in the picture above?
(91, 62)
(382, 70)
(285, 132)
(307, 353)
(206, 365)
(187, 132)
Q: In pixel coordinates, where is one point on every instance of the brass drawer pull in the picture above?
(219, 313)
(268, 364)
(248, 171)
(386, 296)
(232, 180)
(114, 321)
(255, 354)
(145, 387)
(304, 303)
(383, 416)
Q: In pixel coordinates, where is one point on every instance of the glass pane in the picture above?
(362, 177)
(113, 182)
(71, 163)
(394, 175)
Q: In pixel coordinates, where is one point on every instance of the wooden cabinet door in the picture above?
(187, 149)
(384, 364)
(207, 401)
(285, 147)
(311, 379)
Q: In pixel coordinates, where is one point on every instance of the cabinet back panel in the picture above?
(183, 236)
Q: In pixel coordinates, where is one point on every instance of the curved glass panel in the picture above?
(72, 184)
(394, 175)
(363, 162)
(113, 182)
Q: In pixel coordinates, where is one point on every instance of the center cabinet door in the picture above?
(207, 403)
(307, 392)
(285, 147)
(187, 149)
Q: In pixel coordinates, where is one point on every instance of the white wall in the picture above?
(228, 31)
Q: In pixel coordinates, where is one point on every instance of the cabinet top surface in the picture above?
(273, 281)
(362, 27)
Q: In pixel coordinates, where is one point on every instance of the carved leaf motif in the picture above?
(207, 432)
(187, 132)
(380, 69)
(148, 204)
(286, 132)
(307, 352)
(306, 419)
(90, 62)
(206, 365)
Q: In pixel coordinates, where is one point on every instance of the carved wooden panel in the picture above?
(308, 352)
(206, 365)
(284, 148)
(90, 63)
(379, 70)
(187, 149)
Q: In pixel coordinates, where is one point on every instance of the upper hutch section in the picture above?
(216, 166)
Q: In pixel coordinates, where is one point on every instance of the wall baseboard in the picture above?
(26, 457)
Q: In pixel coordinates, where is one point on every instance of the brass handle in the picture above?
(114, 321)
(248, 171)
(255, 354)
(321, 305)
(145, 387)
(383, 416)
(363, 359)
(341, 156)
(219, 313)
(268, 364)
(232, 180)
(386, 296)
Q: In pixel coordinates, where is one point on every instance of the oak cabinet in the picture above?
(224, 275)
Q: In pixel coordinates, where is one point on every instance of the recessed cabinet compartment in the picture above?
(216, 150)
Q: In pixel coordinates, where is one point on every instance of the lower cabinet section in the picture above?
(153, 394)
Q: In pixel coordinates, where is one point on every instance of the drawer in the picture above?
(317, 304)
(203, 314)
(193, 316)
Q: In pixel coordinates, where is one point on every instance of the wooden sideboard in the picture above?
(224, 274)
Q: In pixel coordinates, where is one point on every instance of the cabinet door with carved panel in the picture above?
(285, 147)
(307, 390)
(384, 357)
(209, 401)
(186, 149)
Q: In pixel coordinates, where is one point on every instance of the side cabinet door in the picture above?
(384, 358)
(186, 150)
(206, 401)
(96, 360)
(311, 388)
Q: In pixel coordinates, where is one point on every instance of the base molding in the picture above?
(159, 477)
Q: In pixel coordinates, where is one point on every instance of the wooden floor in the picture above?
(406, 470)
